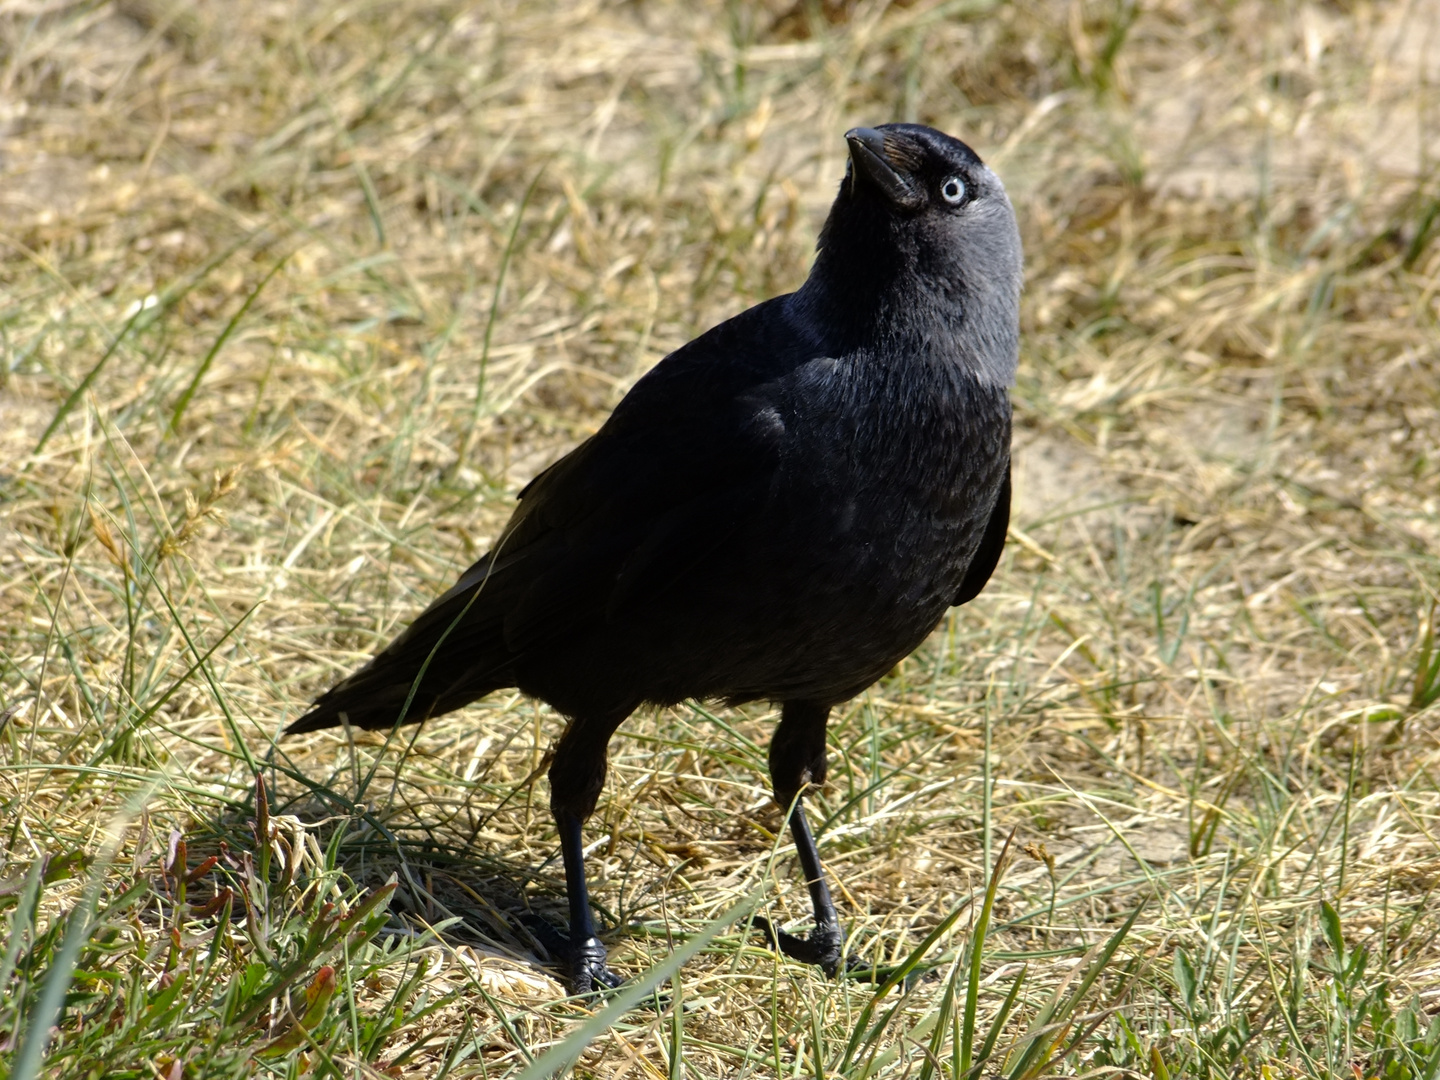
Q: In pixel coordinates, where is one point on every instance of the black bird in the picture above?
(782, 509)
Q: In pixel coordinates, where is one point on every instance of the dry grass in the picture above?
(264, 390)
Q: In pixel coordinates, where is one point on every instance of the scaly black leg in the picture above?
(797, 759)
(576, 777)
(585, 954)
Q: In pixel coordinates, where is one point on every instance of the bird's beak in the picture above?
(875, 163)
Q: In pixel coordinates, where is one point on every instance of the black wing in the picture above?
(987, 555)
(665, 482)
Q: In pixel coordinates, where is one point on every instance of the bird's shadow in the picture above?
(450, 881)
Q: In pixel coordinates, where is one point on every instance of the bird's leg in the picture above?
(576, 777)
(797, 759)
(584, 953)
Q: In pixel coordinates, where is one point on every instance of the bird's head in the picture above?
(922, 238)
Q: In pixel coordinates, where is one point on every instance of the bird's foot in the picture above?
(584, 961)
(821, 948)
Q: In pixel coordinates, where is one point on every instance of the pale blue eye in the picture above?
(953, 190)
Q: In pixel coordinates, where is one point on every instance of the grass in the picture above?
(294, 299)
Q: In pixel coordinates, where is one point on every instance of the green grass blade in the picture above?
(40, 1023)
(568, 1051)
(862, 1033)
(224, 336)
(976, 951)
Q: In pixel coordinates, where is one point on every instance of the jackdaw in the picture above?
(782, 509)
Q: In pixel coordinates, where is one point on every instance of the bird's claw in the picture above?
(585, 964)
(589, 973)
(821, 948)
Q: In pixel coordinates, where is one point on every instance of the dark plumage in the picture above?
(782, 509)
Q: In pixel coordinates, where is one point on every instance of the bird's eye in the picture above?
(953, 190)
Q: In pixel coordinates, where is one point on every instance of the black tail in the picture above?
(452, 654)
